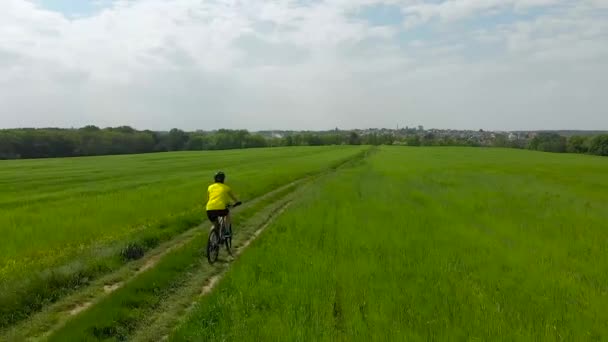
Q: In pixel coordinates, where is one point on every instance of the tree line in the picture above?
(29, 143)
(553, 142)
(94, 141)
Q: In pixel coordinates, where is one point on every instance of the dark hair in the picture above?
(219, 177)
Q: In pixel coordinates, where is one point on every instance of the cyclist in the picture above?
(220, 195)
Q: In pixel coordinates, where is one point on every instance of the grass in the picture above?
(54, 203)
(116, 316)
(64, 222)
(53, 316)
(161, 293)
(427, 244)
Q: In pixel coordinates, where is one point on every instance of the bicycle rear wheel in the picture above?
(213, 246)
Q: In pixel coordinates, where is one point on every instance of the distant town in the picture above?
(478, 137)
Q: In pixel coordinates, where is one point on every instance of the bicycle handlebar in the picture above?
(234, 205)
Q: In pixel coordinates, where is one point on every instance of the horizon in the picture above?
(511, 65)
(315, 130)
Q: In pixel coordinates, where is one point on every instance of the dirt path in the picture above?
(155, 258)
(176, 309)
(152, 261)
(213, 281)
(205, 278)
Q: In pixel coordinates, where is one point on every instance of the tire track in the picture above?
(168, 319)
(154, 259)
(213, 281)
(150, 263)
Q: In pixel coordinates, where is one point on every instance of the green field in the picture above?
(427, 244)
(397, 244)
(72, 213)
(47, 204)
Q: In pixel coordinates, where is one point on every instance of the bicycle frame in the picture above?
(221, 222)
(223, 219)
(219, 231)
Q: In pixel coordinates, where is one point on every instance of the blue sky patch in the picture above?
(74, 8)
(381, 15)
(502, 17)
(417, 33)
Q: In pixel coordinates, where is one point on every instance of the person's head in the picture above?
(219, 177)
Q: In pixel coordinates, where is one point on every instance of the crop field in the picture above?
(342, 243)
(427, 244)
(72, 213)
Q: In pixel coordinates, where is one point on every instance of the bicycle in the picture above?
(220, 234)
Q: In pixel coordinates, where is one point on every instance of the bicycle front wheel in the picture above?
(228, 239)
(213, 246)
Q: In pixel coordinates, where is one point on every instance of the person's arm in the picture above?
(233, 196)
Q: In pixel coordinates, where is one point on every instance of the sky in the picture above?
(304, 64)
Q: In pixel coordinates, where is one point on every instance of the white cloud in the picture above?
(305, 64)
(459, 9)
